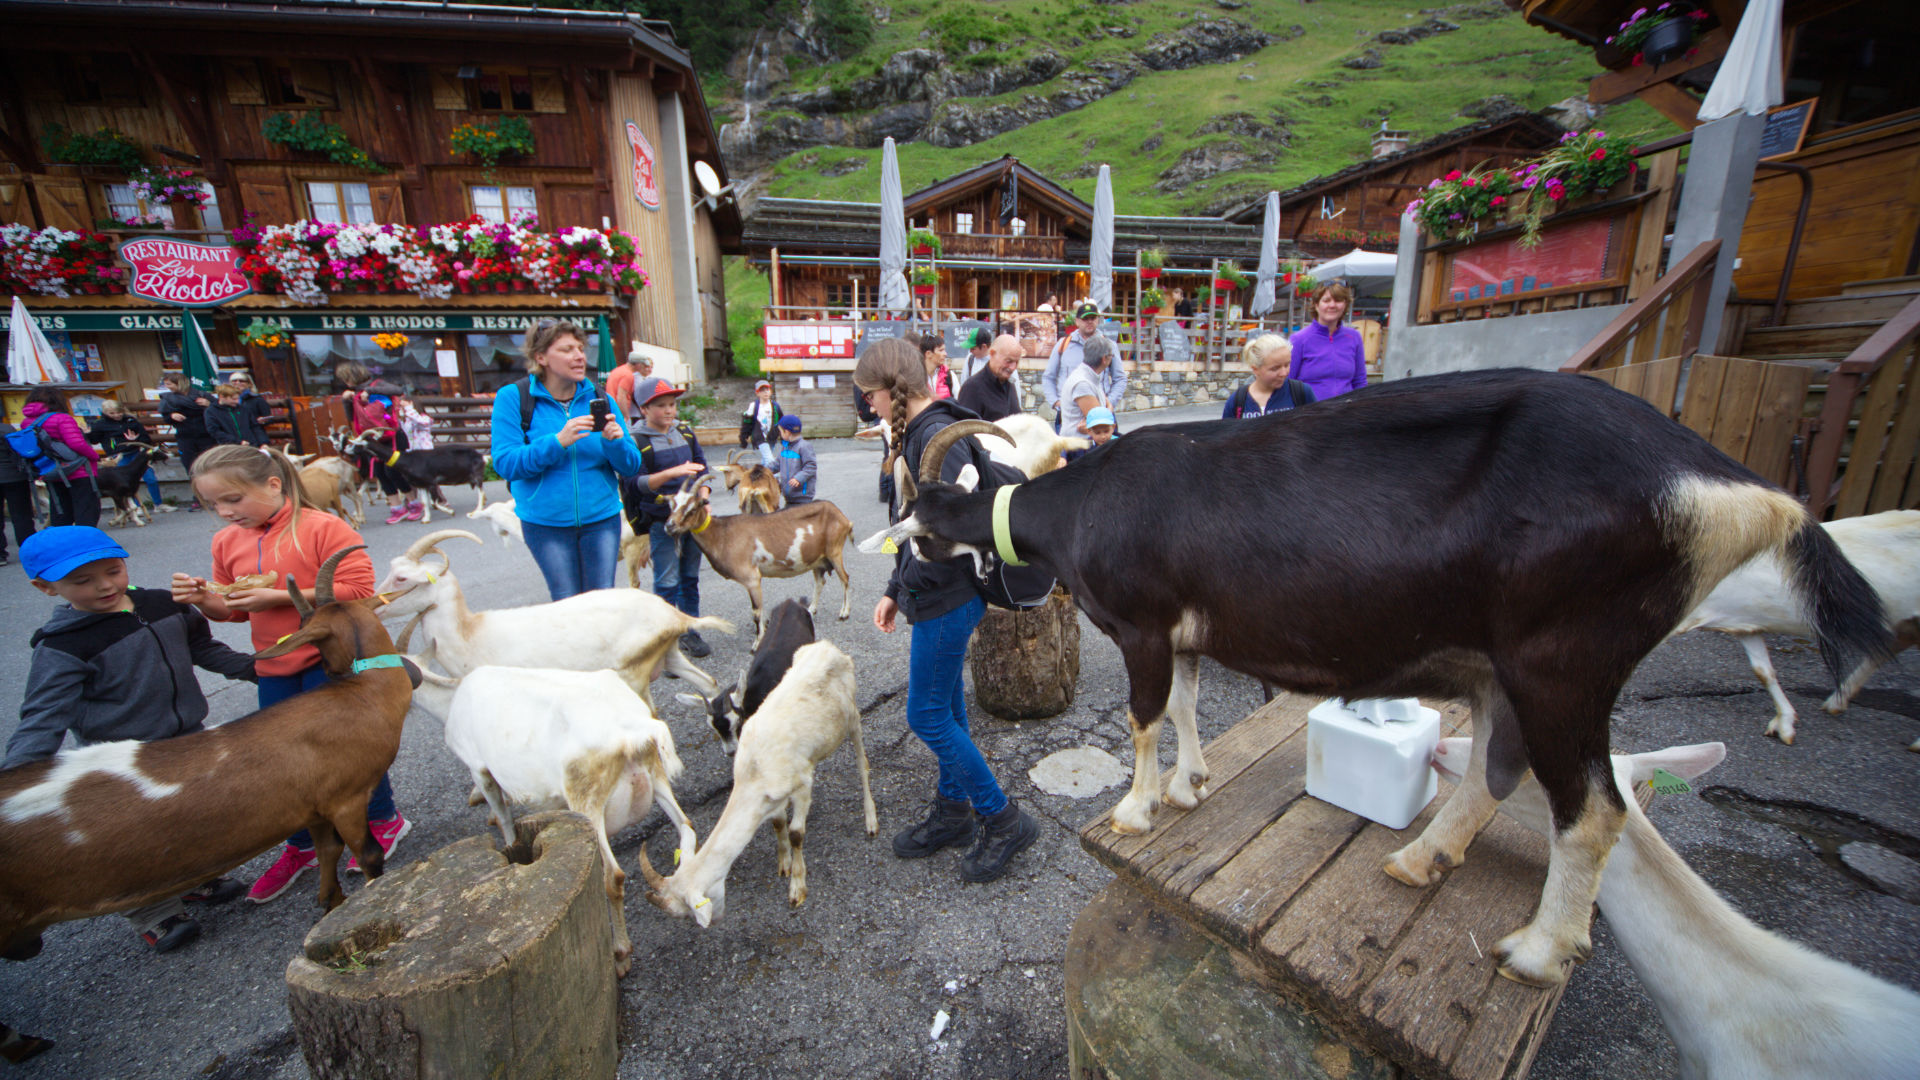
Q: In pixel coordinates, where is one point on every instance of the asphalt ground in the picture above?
(848, 985)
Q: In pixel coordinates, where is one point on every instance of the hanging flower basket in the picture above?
(501, 286)
(1150, 310)
(1149, 273)
(924, 290)
(1224, 285)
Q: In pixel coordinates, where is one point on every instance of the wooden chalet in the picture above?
(824, 255)
(194, 83)
(1360, 205)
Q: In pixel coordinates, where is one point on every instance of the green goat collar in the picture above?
(389, 660)
(1002, 528)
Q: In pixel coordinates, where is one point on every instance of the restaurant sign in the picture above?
(426, 322)
(183, 273)
(646, 190)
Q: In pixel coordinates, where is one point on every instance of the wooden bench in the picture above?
(1356, 971)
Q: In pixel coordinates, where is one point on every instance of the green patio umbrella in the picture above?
(607, 360)
(196, 356)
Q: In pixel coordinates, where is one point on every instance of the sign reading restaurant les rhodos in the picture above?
(183, 273)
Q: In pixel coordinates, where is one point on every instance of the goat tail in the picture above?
(1849, 619)
(655, 757)
(710, 622)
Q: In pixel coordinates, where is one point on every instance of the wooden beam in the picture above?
(669, 82)
(417, 202)
(598, 131)
(1618, 86)
(192, 107)
(1673, 103)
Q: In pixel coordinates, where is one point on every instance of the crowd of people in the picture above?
(116, 662)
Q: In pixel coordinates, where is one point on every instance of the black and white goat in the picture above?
(425, 470)
(1516, 539)
(121, 483)
(789, 626)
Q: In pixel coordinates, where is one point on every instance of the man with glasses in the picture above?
(1069, 354)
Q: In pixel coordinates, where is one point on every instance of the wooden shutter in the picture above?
(313, 81)
(243, 83)
(448, 93)
(63, 202)
(549, 93)
(388, 208)
(16, 207)
(270, 201)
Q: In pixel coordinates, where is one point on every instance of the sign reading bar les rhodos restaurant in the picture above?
(183, 273)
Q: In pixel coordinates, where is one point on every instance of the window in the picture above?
(1019, 226)
(839, 294)
(339, 204)
(299, 84)
(503, 204)
(963, 223)
(126, 207)
(502, 90)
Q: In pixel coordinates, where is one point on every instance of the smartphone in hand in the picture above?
(600, 413)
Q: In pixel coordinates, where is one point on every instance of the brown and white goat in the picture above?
(1517, 539)
(323, 487)
(753, 484)
(747, 547)
(805, 719)
(108, 827)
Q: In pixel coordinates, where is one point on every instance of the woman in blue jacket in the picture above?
(565, 481)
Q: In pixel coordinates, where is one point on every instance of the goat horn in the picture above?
(432, 540)
(299, 602)
(655, 883)
(433, 677)
(323, 581)
(406, 632)
(733, 456)
(935, 455)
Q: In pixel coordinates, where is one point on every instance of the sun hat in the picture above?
(53, 553)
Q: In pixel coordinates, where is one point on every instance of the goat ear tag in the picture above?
(1666, 783)
(889, 547)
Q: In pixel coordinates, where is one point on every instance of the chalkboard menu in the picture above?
(1173, 342)
(871, 332)
(1786, 129)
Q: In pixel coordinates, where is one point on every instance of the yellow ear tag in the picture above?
(889, 547)
(283, 637)
(431, 580)
(676, 856)
(702, 902)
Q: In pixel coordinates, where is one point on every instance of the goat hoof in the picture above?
(1411, 869)
(1533, 958)
(622, 963)
(1132, 818)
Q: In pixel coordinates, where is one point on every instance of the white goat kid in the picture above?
(1740, 1003)
(633, 633)
(802, 721)
(581, 739)
(1756, 600)
(1036, 447)
(499, 516)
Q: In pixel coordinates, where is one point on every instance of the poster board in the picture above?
(1587, 251)
(1175, 346)
(1786, 129)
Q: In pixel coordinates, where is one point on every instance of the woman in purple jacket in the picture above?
(76, 502)
(1327, 355)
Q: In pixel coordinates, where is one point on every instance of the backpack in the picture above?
(368, 413)
(47, 456)
(1241, 399)
(526, 403)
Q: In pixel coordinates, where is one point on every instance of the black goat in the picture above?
(789, 626)
(1516, 539)
(424, 470)
(121, 483)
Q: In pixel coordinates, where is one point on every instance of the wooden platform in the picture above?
(1295, 886)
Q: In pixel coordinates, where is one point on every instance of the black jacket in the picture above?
(927, 590)
(12, 469)
(109, 434)
(990, 397)
(225, 423)
(254, 411)
(186, 405)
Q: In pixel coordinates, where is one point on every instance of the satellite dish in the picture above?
(709, 179)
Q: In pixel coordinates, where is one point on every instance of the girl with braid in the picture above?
(942, 606)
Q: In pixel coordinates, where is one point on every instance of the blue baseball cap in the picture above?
(53, 553)
(1100, 415)
(790, 422)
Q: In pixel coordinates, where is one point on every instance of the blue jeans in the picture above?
(766, 454)
(937, 706)
(676, 575)
(575, 558)
(153, 482)
(277, 688)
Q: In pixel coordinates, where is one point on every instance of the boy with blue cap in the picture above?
(116, 663)
(795, 465)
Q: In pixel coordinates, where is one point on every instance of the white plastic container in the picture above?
(1373, 757)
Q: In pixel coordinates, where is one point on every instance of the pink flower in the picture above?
(1599, 154)
(1454, 175)
(1468, 181)
(1499, 200)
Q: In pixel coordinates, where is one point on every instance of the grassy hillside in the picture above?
(1327, 110)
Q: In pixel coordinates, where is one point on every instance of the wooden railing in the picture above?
(995, 246)
(1664, 322)
(1874, 385)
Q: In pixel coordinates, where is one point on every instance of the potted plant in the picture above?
(1152, 300)
(1151, 261)
(1228, 277)
(492, 140)
(264, 335)
(923, 242)
(393, 344)
(315, 135)
(925, 280)
(1659, 35)
(107, 146)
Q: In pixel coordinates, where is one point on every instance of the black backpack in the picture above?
(1241, 399)
(526, 403)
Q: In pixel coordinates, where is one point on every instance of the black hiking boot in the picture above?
(694, 645)
(948, 824)
(1002, 836)
(176, 931)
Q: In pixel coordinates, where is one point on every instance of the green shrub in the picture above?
(103, 147)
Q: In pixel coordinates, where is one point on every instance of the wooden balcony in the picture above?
(997, 246)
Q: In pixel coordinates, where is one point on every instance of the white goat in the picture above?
(581, 739)
(1756, 600)
(634, 551)
(635, 634)
(1740, 1003)
(806, 718)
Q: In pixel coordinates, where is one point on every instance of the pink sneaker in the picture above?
(397, 515)
(388, 832)
(415, 511)
(292, 863)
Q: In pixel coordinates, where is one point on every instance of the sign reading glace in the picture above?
(183, 273)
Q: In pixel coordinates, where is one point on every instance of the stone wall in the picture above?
(1155, 390)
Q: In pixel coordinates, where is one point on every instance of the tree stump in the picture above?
(473, 963)
(1026, 663)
